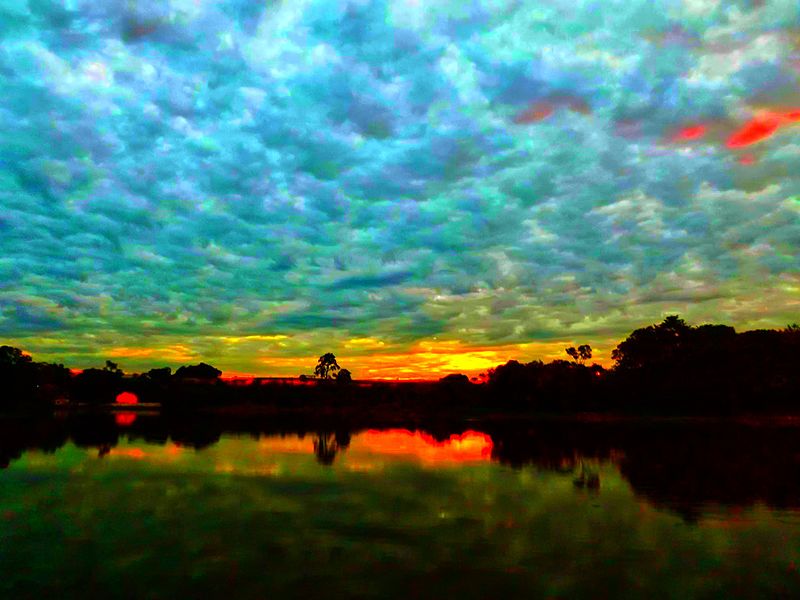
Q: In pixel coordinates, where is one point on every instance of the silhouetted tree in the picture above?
(98, 385)
(652, 345)
(709, 369)
(669, 367)
(581, 354)
(159, 375)
(201, 371)
(51, 380)
(326, 366)
(455, 379)
(513, 382)
(13, 357)
(17, 376)
(112, 367)
(152, 385)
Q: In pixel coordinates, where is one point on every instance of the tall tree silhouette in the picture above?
(585, 352)
(653, 345)
(581, 354)
(326, 366)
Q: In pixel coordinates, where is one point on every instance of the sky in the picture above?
(418, 186)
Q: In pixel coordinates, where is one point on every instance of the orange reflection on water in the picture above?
(291, 444)
(136, 453)
(470, 446)
(124, 419)
(365, 451)
(174, 450)
(154, 454)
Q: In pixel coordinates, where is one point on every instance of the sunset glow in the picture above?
(127, 398)
(755, 131)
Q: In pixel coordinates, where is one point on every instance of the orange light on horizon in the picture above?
(238, 379)
(426, 360)
(430, 360)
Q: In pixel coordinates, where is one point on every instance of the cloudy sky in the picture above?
(418, 186)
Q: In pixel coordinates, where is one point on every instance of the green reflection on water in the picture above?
(257, 518)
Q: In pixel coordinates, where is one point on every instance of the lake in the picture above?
(139, 506)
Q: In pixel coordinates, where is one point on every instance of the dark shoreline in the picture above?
(398, 414)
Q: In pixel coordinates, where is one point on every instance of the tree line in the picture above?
(669, 367)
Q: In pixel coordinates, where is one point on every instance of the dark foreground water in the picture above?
(136, 507)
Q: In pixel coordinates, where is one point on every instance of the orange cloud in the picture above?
(175, 352)
(761, 127)
(690, 133)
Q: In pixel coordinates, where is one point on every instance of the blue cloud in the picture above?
(217, 167)
(16, 317)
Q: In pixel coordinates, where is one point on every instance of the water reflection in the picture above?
(466, 447)
(683, 466)
(165, 507)
(124, 418)
(328, 445)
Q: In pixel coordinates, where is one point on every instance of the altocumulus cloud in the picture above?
(494, 172)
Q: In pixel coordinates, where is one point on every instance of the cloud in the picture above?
(206, 169)
(30, 318)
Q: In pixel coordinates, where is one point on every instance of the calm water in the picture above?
(552, 509)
